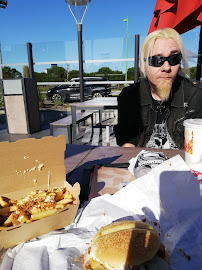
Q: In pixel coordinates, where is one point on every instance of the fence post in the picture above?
(136, 63)
(1, 70)
(30, 60)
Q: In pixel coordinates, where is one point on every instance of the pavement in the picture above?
(46, 116)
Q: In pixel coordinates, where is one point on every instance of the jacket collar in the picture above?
(177, 99)
(177, 94)
(145, 93)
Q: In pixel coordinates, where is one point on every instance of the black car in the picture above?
(72, 92)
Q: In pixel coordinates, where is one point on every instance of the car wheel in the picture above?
(97, 95)
(56, 97)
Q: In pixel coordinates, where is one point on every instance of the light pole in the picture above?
(126, 20)
(78, 9)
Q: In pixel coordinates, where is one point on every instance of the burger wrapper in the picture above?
(169, 198)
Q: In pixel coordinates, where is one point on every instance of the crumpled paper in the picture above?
(145, 161)
(169, 198)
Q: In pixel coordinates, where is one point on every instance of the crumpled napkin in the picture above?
(145, 161)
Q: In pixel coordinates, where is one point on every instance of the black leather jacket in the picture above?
(137, 116)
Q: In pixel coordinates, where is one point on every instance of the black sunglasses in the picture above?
(158, 61)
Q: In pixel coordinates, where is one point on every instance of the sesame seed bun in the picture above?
(124, 244)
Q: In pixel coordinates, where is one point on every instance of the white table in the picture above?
(99, 104)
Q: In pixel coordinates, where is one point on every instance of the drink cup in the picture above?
(193, 143)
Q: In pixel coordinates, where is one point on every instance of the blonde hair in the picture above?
(148, 44)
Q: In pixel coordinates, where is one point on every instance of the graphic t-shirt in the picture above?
(160, 137)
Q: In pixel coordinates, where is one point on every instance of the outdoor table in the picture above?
(74, 154)
(88, 157)
(114, 154)
(99, 104)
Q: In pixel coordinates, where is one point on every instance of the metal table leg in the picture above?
(100, 120)
(74, 137)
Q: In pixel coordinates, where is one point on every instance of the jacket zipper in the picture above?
(181, 119)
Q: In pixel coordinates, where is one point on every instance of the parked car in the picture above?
(72, 92)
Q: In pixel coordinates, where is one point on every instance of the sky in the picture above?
(51, 28)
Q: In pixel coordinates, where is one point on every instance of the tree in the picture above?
(11, 73)
(56, 74)
(25, 72)
(116, 76)
(41, 76)
(131, 74)
(105, 71)
(192, 72)
(73, 74)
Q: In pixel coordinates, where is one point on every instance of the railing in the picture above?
(96, 53)
(94, 82)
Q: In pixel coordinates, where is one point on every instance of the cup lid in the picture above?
(193, 123)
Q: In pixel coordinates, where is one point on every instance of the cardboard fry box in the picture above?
(34, 164)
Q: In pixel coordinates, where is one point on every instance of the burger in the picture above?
(126, 245)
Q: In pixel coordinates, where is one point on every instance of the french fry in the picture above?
(68, 195)
(24, 220)
(41, 215)
(59, 206)
(8, 222)
(13, 208)
(3, 203)
(36, 205)
(41, 194)
(65, 201)
(28, 221)
(58, 196)
(52, 194)
(1, 228)
(35, 210)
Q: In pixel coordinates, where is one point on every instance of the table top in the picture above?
(78, 156)
(115, 154)
(104, 102)
(82, 157)
(75, 154)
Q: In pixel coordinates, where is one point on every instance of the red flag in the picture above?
(182, 15)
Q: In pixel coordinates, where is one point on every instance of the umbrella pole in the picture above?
(199, 62)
